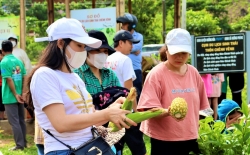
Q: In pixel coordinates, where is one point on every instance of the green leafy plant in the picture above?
(214, 139)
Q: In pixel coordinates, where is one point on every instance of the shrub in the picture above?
(214, 140)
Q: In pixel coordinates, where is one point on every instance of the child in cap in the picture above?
(228, 112)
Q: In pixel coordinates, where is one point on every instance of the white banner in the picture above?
(9, 25)
(102, 19)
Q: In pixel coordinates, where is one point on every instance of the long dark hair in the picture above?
(51, 57)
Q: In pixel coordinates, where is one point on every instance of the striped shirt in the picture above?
(92, 83)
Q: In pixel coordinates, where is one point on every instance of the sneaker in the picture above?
(16, 148)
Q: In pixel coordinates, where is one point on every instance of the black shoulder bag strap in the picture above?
(68, 146)
(48, 132)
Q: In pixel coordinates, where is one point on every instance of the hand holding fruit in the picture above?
(165, 112)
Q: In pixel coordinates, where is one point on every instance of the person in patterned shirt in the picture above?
(95, 76)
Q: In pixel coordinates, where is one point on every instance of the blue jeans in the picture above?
(40, 149)
(67, 152)
(59, 152)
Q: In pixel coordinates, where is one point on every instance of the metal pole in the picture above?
(163, 20)
(183, 14)
(248, 64)
(193, 63)
(22, 38)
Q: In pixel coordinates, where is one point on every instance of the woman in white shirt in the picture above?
(62, 104)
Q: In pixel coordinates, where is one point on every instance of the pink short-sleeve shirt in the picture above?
(160, 88)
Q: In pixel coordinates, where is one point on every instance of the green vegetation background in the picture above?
(202, 18)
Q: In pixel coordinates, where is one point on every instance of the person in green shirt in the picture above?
(13, 75)
(95, 76)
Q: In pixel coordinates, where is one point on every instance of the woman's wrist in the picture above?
(106, 113)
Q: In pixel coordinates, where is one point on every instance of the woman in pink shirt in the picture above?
(168, 80)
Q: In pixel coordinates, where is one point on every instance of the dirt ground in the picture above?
(4, 142)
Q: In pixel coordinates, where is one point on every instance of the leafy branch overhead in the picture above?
(203, 17)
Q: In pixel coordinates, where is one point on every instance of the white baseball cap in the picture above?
(69, 28)
(12, 36)
(178, 40)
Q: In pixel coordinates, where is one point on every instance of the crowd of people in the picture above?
(79, 70)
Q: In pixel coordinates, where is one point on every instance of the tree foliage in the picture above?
(38, 11)
(196, 5)
(242, 23)
(146, 17)
(201, 23)
(216, 7)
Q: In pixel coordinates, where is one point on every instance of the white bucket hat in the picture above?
(69, 28)
(178, 40)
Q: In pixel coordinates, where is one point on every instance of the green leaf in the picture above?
(239, 127)
(246, 136)
(220, 126)
(209, 120)
(245, 109)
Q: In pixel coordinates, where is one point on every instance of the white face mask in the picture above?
(98, 60)
(13, 43)
(76, 59)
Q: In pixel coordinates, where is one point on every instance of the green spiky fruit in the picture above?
(178, 108)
